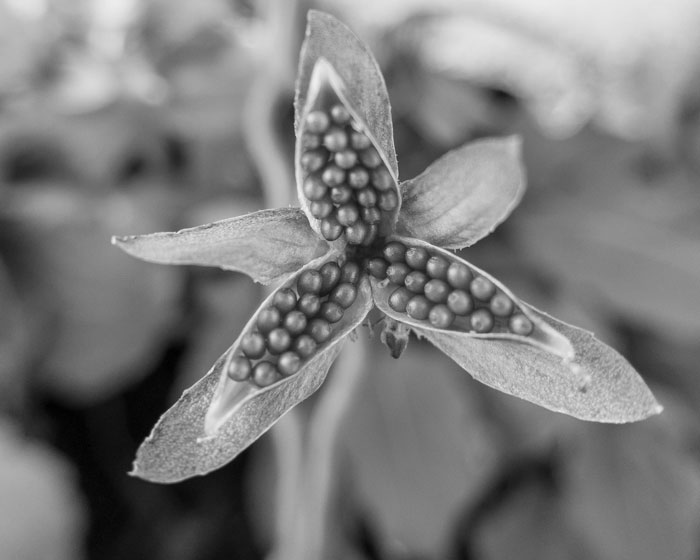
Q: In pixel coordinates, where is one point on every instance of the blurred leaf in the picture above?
(464, 195)
(418, 449)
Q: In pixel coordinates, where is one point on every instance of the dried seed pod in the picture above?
(345, 159)
(295, 322)
(285, 300)
(399, 298)
(309, 282)
(417, 258)
(310, 141)
(358, 177)
(333, 176)
(321, 208)
(415, 281)
(359, 141)
(317, 122)
(304, 345)
(350, 272)
(335, 139)
(394, 252)
(278, 341)
(367, 197)
(521, 325)
(330, 276)
(340, 114)
(377, 267)
(264, 374)
(371, 235)
(460, 302)
(289, 363)
(319, 329)
(355, 233)
(437, 266)
(370, 158)
(344, 294)
(436, 290)
(348, 214)
(388, 201)
(341, 194)
(459, 276)
(397, 272)
(268, 319)
(309, 304)
(313, 160)
(371, 216)
(501, 305)
(382, 179)
(331, 312)
(331, 228)
(314, 188)
(418, 308)
(239, 369)
(253, 345)
(441, 317)
(481, 321)
(482, 288)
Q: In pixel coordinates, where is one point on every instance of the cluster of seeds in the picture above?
(347, 184)
(298, 321)
(447, 294)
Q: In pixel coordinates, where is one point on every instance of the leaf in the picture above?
(328, 38)
(464, 195)
(217, 418)
(265, 245)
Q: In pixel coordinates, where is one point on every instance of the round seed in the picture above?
(367, 197)
(358, 177)
(333, 176)
(377, 267)
(268, 319)
(344, 295)
(417, 258)
(335, 139)
(285, 300)
(264, 374)
(345, 159)
(330, 276)
(309, 304)
(418, 308)
(459, 302)
(321, 208)
(437, 266)
(388, 201)
(314, 188)
(278, 340)
(370, 158)
(371, 235)
(397, 272)
(416, 281)
(340, 114)
(371, 215)
(332, 312)
(350, 272)
(309, 282)
(317, 122)
(341, 194)
(441, 317)
(304, 346)
(320, 330)
(437, 290)
(295, 322)
(519, 324)
(482, 288)
(313, 160)
(481, 321)
(253, 345)
(381, 179)
(331, 229)
(394, 252)
(359, 141)
(501, 305)
(239, 369)
(348, 214)
(310, 141)
(356, 233)
(399, 298)
(289, 363)
(459, 276)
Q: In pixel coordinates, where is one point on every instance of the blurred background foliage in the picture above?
(138, 116)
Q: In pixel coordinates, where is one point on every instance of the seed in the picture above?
(459, 302)
(399, 298)
(371, 215)
(481, 321)
(417, 258)
(371, 235)
(348, 214)
(304, 346)
(482, 288)
(441, 317)
(333, 176)
(501, 305)
(239, 369)
(317, 122)
(437, 290)
(358, 177)
(314, 188)
(345, 159)
(310, 141)
(377, 267)
(418, 308)
(519, 324)
(268, 319)
(341, 194)
(309, 304)
(313, 160)
(416, 281)
(344, 295)
(253, 345)
(459, 276)
(330, 275)
(359, 141)
(331, 229)
(437, 267)
(397, 272)
(370, 157)
(340, 114)
(321, 208)
(289, 363)
(394, 252)
(264, 374)
(335, 139)
(332, 312)
(381, 179)
(320, 330)
(295, 322)
(367, 197)
(350, 272)
(285, 300)
(309, 282)
(278, 340)
(388, 201)
(356, 233)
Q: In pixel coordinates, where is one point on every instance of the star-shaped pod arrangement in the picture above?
(359, 241)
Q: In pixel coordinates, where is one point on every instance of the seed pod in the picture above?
(481, 321)
(253, 345)
(394, 252)
(341, 194)
(501, 305)
(345, 159)
(285, 300)
(317, 122)
(371, 215)
(309, 282)
(356, 233)
(268, 319)
(358, 177)
(295, 322)
(519, 324)
(459, 276)
(388, 201)
(399, 298)
(331, 228)
(359, 141)
(319, 329)
(344, 295)
(264, 374)
(333, 176)
(436, 290)
(377, 267)
(348, 214)
(331, 312)
(367, 197)
(441, 317)
(239, 369)
(310, 141)
(397, 272)
(304, 345)
(289, 363)
(370, 158)
(459, 302)
(350, 272)
(321, 208)
(335, 139)
(313, 160)
(314, 188)
(278, 340)
(482, 288)
(417, 258)
(309, 304)
(340, 114)
(437, 266)
(371, 235)
(330, 276)
(415, 281)
(418, 308)
(381, 179)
